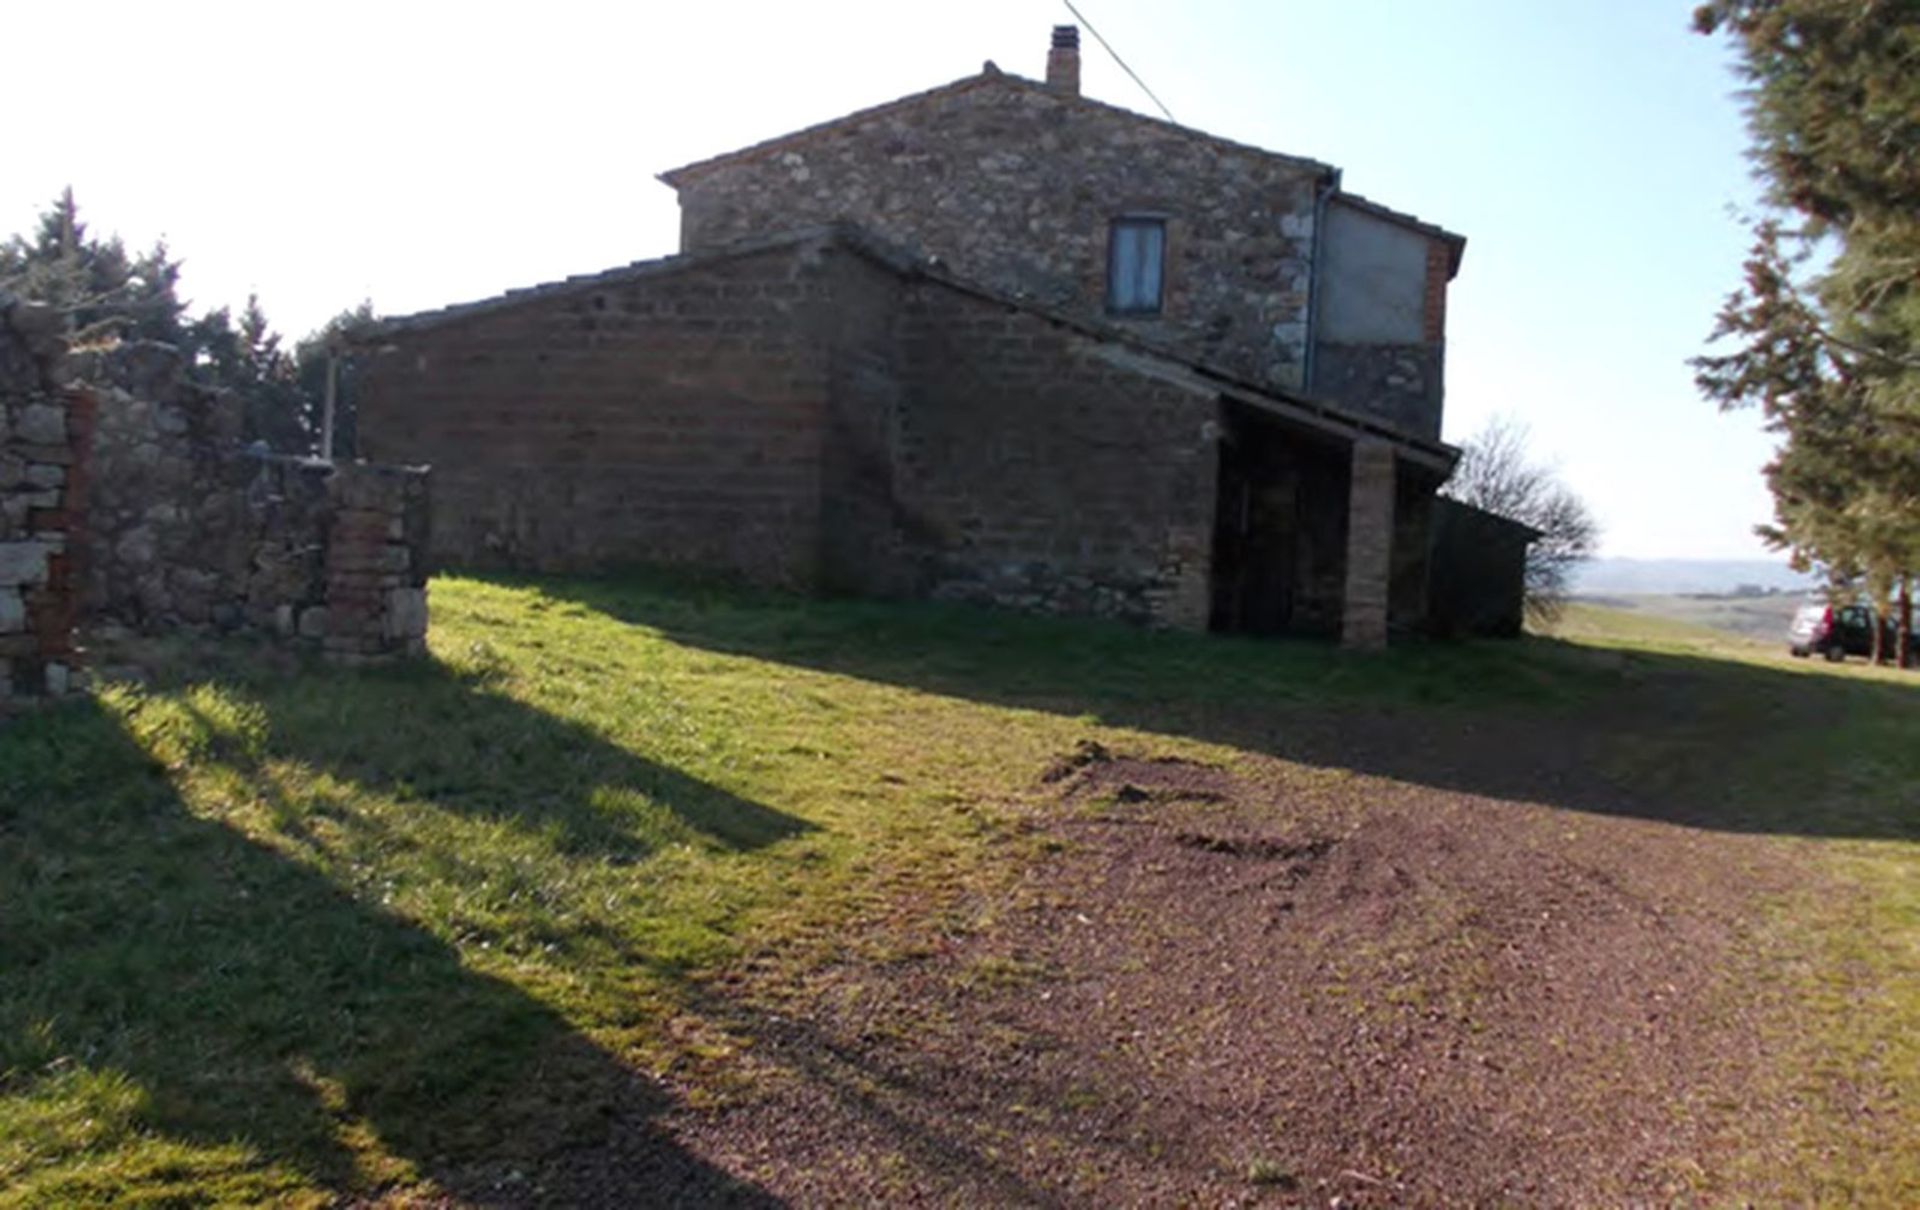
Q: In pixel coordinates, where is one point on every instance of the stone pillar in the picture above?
(1363, 618)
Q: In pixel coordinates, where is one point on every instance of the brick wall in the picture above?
(1014, 186)
(1038, 470)
(802, 414)
(375, 572)
(1370, 523)
(673, 418)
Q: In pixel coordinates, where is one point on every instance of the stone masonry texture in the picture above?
(1015, 186)
(186, 528)
(125, 504)
(41, 427)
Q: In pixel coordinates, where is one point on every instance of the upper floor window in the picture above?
(1136, 258)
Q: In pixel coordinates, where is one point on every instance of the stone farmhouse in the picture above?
(995, 341)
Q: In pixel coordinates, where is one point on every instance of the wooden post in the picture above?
(328, 404)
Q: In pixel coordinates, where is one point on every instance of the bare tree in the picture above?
(1495, 474)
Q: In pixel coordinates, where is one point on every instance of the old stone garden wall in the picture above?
(127, 505)
(40, 429)
(185, 527)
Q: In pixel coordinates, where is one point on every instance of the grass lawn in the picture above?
(398, 933)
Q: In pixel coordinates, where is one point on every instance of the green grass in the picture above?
(273, 937)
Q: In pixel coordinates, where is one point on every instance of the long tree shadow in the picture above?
(233, 1025)
(1683, 738)
(458, 743)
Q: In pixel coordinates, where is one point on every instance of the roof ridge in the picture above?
(633, 270)
(992, 75)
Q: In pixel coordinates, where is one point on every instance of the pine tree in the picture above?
(94, 283)
(1832, 358)
(105, 294)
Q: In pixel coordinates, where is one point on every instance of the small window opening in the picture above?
(1136, 254)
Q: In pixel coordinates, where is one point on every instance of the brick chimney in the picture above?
(1063, 61)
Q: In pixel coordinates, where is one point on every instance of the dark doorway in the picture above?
(1279, 538)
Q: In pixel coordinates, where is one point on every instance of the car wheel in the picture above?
(1835, 654)
(1798, 653)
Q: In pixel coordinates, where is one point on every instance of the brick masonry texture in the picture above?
(801, 414)
(675, 419)
(1015, 186)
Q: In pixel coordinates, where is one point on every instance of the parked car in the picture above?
(1838, 631)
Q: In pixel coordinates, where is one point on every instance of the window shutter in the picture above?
(1136, 255)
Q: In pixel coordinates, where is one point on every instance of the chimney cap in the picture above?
(1066, 37)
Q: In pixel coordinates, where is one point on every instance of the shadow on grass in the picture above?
(1682, 738)
(427, 733)
(187, 1013)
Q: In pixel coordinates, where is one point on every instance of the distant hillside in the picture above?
(1758, 617)
(1638, 576)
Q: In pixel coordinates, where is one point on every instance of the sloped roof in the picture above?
(990, 77)
(1521, 531)
(1169, 363)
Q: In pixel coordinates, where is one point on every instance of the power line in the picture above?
(1117, 59)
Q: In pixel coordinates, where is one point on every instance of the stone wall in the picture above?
(125, 506)
(185, 528)
(1397, 383)
(1015, 186)
(41, 426)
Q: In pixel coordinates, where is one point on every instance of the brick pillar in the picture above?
(375, 574)
(1363, 619)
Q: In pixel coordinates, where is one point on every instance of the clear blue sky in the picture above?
(416, 154)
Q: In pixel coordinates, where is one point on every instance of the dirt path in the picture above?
(1270, 986)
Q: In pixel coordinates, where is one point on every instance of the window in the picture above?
(1136, 253)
